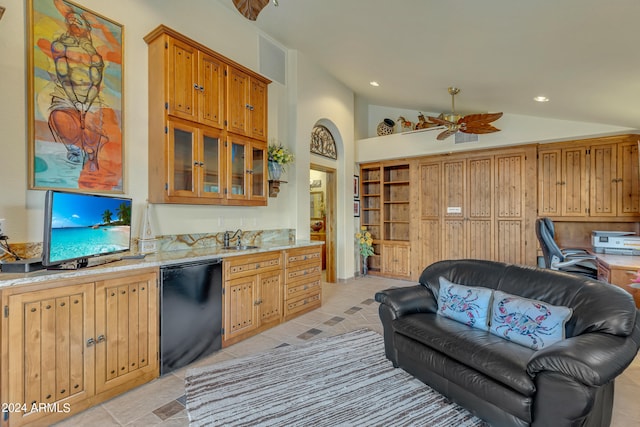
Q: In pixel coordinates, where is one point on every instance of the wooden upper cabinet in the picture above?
(603, 180)
(574, 182)
(596, 178)
(628, 179)
(196, 84)
(549, 182)
(199, 101)
(211, 86)
(562, 182)
(182, 76)
(246, 104)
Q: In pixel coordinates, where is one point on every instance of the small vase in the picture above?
(365, 267)
(275, 171)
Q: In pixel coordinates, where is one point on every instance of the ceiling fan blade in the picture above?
(250, 8)
(478, 128)
(481, 117)
(446, 134)
(440, 121)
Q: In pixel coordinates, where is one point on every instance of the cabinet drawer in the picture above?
(303, 304)
(301, 272)
(252, 264)
(297, 289)
(303, 256)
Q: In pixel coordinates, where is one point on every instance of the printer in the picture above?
(615, 242)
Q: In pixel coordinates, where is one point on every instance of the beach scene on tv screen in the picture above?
(83, 226)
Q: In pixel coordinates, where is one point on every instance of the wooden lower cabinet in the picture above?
(396, 259)
(67, 345)
(252, 295)
(303, 281)
(262, 290)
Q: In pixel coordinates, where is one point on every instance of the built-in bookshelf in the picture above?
(371, 209)
(396, 198)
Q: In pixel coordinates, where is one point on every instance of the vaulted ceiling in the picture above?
(582, 54)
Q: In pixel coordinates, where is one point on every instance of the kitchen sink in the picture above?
(240, 248)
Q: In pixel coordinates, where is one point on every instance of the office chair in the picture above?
(576, 261)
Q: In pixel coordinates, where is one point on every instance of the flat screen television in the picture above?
(78, 226)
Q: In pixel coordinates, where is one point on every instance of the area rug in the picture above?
(343, 380)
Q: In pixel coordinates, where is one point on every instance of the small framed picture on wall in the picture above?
(356, 208)
(356, 187)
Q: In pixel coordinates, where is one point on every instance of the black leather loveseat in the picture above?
(568, 383)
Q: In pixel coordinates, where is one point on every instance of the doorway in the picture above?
(322, 215)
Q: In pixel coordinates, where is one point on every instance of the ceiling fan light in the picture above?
(450, 117)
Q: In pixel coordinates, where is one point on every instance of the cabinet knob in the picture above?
(201, 88)
(101, 338)
(90, 342)
(195, 86)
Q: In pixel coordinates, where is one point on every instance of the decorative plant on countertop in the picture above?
(278, 157)
(365, 242)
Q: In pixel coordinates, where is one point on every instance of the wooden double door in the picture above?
(71, 346)
(475, 206)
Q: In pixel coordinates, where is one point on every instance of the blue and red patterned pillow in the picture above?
(466, 304)
(531, 323)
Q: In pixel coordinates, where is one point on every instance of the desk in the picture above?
(620, 270)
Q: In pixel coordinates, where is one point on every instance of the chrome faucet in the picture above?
(227, 237)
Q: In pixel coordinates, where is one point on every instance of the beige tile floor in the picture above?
(345, 307)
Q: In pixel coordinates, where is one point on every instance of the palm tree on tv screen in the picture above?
(107, 216)
(124, 213)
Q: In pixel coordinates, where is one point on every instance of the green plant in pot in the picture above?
(278, 157)
(365, 243)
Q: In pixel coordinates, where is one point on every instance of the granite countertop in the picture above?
(152, 260)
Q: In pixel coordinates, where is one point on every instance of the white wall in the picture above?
(321, 99)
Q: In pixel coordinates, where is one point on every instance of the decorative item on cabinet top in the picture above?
(385, 127)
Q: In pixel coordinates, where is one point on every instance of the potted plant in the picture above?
(365, 243)
(278, 157)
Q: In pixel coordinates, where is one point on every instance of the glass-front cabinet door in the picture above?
(258, 171)
(182, 160)
(237, 165)
(212, 165)
(247, 170)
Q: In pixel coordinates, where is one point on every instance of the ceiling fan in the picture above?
(472, 123)
(251, 8)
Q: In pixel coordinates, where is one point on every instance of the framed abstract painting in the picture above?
(75, 90)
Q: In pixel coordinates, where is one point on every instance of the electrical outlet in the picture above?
(2, 225)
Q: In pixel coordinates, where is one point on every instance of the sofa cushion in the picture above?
(495, 357)
(466, 304)
(532, 323)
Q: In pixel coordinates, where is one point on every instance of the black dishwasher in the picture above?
(190, 312)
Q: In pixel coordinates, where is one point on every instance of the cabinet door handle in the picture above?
(195, 86)
(247, 106)
(201, 88)
(101, 338)
(90, 342)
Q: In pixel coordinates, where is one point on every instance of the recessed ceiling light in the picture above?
(374, 83)
(541, 99)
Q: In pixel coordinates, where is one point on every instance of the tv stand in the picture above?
(81, 263)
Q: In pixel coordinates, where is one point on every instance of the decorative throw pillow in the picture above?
(466, 304)
(531, 323)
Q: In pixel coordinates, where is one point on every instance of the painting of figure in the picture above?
(76, 98)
